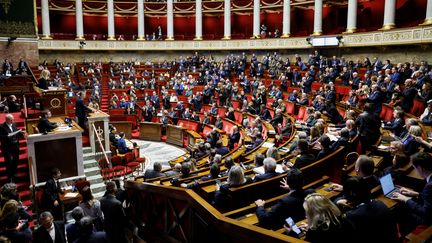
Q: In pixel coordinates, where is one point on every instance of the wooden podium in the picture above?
(61, 149)
(151, 131)
(53, 100)
(174, 135)
(100, 121)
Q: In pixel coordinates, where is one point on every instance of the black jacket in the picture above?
(115, 218)
(41, 235)
(45, 125)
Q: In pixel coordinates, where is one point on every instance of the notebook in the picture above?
(388, 186)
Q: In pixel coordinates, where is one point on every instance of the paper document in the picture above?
(71, 194)
(14, 133)
(268, 145)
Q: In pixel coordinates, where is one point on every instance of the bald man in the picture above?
(10, 145)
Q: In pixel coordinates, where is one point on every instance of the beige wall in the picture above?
(17, 49)
(394, 53)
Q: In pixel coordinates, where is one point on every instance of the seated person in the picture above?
(44, 124)
(218, 123)
(397, 125)
(155, 172)
(290, 205)
(220, 149)
(410, 143)
(257, 140)
(236, 178)
(417, 208)
(201, 152)
(269, 170)
(175, 170)
(369, 216)
(343, 140)
(326, 149)
(214, 173)
(121, 144)
(364, 168)
(277, 119)
(305, 157)
(234, 137)
(12, 229)
(112, 135)
(229, 162)
(399, 159)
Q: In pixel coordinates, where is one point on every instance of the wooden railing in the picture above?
(183, 215)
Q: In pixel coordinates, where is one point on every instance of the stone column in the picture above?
(256, 19)
(318, 18)
(46, 31)
(352, 16)
(428, 19)
(111, 21)
(286, 21)
(198, 20)
(79, 20)
(389, 15)
(170, 20)
(227, 20)
(141, 20)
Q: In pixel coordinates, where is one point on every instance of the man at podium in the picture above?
(81, 111)
(44, 124)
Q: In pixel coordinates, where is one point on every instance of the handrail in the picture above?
(101, 145)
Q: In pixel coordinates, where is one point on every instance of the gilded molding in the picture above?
(415, 35)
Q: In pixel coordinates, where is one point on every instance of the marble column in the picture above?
(79, 20)
(318, 17)
(198, 20)
(286, 20)
(227, 19)
(428, 19)
(46, 31)
(170, 20)
(352, 16)
(256, 19)
(389, 14)
(111, 21)
(140, 20)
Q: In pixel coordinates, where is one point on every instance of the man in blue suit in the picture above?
(418, 205)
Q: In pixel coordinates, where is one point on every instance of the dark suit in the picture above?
(373, 218)
(222, 150)
(81, 112)
(51, 194)
(396, 126)
(233, 139)
(288, 206)
(369, 128)
(45, 125)
(16, 236)
(41, 235)
(150, 174)
(73, 231)
(421, 207)
(265, 176)
(219, 124)
(42, 83)
(10, 148)
(115, 218)
(303, 160)
(95, 237)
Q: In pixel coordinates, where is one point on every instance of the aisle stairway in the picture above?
(22, 175)
(104, 103)
(92, 173)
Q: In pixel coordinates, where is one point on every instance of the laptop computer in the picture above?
(388, 186)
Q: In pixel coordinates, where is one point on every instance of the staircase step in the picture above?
(87, 150)
(91, 171)
(94, 179)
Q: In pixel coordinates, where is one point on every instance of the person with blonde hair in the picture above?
(236, 178)
(43, 79)
(325, 222)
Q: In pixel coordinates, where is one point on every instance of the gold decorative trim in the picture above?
(46, 37)
(285, 35)
(79, 37)
(198, 38)
(226, 37)
(55, 103)
(388, 26)
(427, 22)
(256, 37)
(350, 30)
(169, 38)
(111, 38)
(140, 38)
(317, 33)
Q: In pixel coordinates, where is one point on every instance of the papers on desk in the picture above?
(268, 145)
(283, 149)
(71, 194)
(63, 128)
(332, 137)
(260, 170)
(14, 133)
(383, 147)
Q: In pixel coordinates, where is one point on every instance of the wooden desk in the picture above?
(150, 131)
(193, 138)
(174, 135)
(123, 126)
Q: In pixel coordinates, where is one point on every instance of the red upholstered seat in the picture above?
(289, 107)
(418, 107)
(301, 113)
(117, 165)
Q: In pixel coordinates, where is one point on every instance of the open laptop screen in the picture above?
(387, 184)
